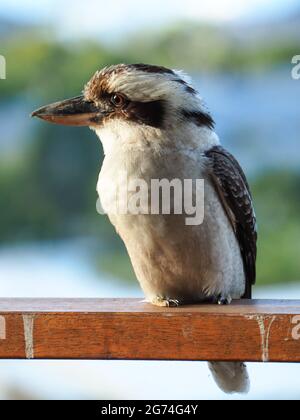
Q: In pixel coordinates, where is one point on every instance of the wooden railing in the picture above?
(127, 329)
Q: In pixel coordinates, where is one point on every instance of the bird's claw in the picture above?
(174, 303)
(165, 302)
(224, 300)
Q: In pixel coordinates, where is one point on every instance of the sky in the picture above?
(116, 17)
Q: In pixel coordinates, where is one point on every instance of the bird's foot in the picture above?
(224, 299)
(165, 302)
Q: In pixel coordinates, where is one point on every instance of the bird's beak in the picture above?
(75, 112)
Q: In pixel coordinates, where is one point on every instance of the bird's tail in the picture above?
(231, 377)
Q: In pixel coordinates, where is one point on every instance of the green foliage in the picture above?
(117, 264)
(277, 199)
(34, 200)
(48, 69)
(199, 47)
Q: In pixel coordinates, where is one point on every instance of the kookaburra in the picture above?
(153, 125)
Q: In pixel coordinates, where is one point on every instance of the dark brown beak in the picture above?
(75, 112)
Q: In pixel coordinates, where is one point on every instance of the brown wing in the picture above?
(232, 186)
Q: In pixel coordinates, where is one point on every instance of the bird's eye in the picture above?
(118, 100)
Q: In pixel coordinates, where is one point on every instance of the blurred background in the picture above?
(53, 242)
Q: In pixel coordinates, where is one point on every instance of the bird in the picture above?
(153, 124)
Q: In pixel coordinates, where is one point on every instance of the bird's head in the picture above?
(137, 95)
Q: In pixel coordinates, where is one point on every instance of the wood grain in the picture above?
(127, 329)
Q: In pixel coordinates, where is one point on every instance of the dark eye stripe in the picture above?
(148, 113)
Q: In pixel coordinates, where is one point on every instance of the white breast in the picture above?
(171, 259)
